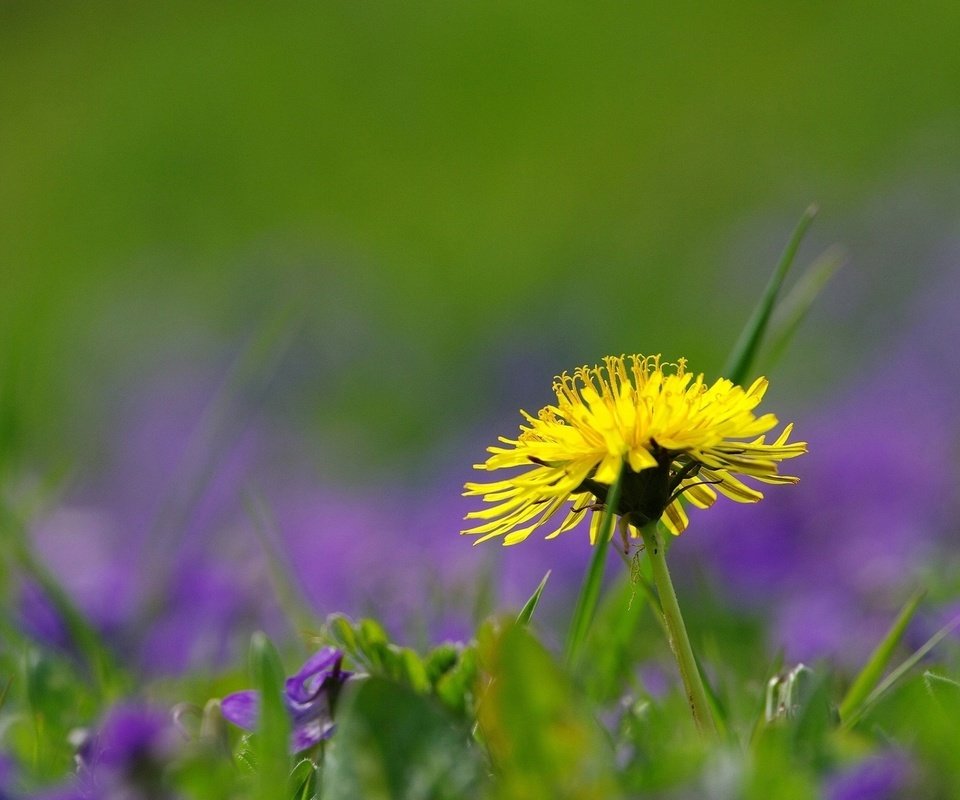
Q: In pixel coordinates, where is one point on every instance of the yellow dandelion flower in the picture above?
(664, 429)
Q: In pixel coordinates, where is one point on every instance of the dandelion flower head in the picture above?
(662, 429)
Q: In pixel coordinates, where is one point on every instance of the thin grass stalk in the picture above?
(677, 632)
(586, 606)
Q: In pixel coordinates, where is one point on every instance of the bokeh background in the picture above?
(275, 274)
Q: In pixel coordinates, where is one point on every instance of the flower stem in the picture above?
(677, 632)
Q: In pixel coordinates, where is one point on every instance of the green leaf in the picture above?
(371, 635)
(411, 669)
(941, 686)
(744, 352)
(526, 613)
(303, 781)
(541, 735)
(945, 694)
(813, 718)
(876, 665)
(393, 744)
(455, 686)
(366, 643)
(593, 579)
(441, 660)
(271, 744)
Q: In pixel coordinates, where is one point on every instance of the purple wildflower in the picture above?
(882, 777)
(39, 617)
(309, 697)
(127, 755)
(8, 776)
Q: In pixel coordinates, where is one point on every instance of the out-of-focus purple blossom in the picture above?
(84, 548)
(130, 734)
(144, 545)
(882, 777)
(159, 550)
(40, 618)
(126, 756)
(310, 697)
(203, 594)
(8, 776)
(70, 792)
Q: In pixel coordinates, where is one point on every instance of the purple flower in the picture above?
(882, 777)
(309, 697)
(8, 776)
(128, 754)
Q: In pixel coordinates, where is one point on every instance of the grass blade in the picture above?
(99, 659)
(590, 590)
(290, 595)
(526, 613)
(741, 358)
(273, 729)
(885, 685)
(793, 309)
(218, 429)
(877, 663)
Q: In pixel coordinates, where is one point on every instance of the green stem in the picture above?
(677, 632)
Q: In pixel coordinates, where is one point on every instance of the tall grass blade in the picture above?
(272, 740)
(877, 663)
(741, 358)
(590, 589)
(289, 594)
(219, 428)
(793, 309)
(887, 683)
(99, 660)
(912, 661)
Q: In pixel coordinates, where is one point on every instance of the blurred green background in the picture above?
(459, 199)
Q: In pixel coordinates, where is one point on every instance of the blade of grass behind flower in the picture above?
(526, 613)
(99, 660)
(887, 683)
(792, 310)
(219, 428)
(741, 358)
(760, 716)
(877, 663)
(290, 596)
(590, 589)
